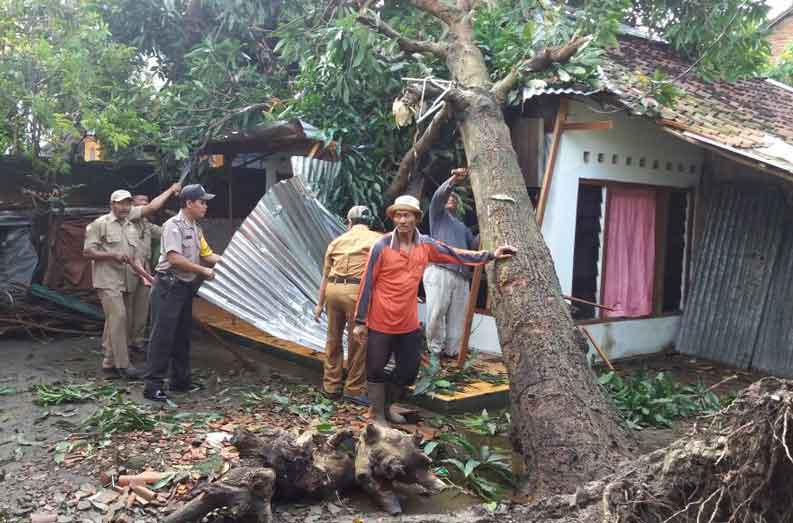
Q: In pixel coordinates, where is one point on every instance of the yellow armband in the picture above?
(203, 248)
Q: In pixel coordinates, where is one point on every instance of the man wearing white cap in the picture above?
(387, 310)
(111, 243)
(345, 261)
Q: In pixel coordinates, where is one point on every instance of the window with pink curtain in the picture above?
(630, 252)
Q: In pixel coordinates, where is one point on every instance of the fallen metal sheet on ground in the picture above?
(271, 270)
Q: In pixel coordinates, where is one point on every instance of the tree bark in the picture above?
(563, 425)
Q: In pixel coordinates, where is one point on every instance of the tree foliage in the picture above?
(71, 68)
(61, 77)
(782, 70)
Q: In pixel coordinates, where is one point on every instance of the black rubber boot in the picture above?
(377, 394)
(395, 393)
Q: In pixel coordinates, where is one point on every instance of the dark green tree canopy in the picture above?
(82, 67)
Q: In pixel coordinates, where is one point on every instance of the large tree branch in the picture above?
(541, 60)
(439, 9)
(419, 149)
(408, 45)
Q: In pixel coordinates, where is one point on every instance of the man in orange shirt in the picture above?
(345, 261)
(387, 311)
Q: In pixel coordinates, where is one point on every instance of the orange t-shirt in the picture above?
(387, 296)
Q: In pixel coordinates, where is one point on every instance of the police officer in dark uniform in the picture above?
(184, 256)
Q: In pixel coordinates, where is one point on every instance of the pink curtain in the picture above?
(630, 252)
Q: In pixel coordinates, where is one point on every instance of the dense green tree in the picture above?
(62, 76)
(782, 68)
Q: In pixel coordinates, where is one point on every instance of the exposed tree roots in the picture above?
(244, 491)
(735, 466)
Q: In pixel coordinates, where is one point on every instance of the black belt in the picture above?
(336, 279)
(169, 276)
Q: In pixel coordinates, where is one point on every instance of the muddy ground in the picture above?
(39, 473)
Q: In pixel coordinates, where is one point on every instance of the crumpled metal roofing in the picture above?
(315, 174)
(271, 270)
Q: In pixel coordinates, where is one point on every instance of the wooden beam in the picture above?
(597, 348)
(561, 116)
(462, 355)
(599, 125)
(228, 160)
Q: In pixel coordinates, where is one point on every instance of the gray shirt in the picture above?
(448, 228)
(182, 236)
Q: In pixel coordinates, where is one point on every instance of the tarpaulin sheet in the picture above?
(18, 258)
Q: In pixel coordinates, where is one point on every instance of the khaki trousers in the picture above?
(138, 315)
(114, 336)
(340, 307)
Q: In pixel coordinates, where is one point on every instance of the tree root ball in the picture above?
(734, 466)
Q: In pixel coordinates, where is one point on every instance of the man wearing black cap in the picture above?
(183, 251)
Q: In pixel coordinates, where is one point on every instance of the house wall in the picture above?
(781, 36)
(741, 298)
(607, 161)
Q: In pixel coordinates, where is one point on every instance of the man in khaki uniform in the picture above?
(111, 242)
(138, 311)
(345, 261)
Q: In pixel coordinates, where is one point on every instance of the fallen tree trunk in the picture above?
(563, 426)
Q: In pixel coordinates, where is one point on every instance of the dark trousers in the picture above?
(169, 344)
(406, 349)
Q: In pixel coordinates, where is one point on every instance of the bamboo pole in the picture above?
(558, 127)
(587, 302)
(597, 348)
(469, 314)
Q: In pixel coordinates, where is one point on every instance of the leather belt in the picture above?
(343, 281)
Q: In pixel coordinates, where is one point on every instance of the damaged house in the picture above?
(677, 220)
(668, 224)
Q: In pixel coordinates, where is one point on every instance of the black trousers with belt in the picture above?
(171, 323)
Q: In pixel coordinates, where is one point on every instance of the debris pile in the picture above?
(40, 311)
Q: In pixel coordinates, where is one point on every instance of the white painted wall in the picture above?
(608, 152)
(621, 339)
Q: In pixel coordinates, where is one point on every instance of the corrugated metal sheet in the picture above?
(733, 272)
(315, 174)
(774, 350)
(271, 270)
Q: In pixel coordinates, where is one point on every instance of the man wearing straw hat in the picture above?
(386, 314)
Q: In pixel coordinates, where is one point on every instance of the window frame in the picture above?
(663, 193)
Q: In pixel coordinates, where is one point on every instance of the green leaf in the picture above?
(164, 481)
(430, 446)
(470, 466)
